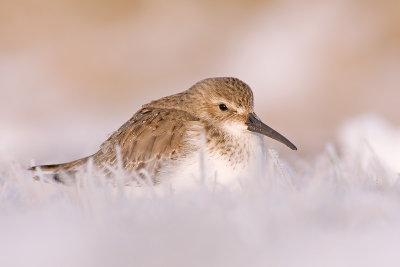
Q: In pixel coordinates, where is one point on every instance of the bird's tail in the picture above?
(57, 171)
(47, 168)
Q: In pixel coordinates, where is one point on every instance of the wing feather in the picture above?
(151, 138)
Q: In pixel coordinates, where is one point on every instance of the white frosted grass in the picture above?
(341, 208)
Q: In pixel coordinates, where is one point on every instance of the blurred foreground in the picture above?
(330, 211)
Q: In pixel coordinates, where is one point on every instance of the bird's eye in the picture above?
(223, 107)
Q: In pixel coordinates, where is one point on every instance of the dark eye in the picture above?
(222, 107)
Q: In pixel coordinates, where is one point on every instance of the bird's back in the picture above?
(151, 139)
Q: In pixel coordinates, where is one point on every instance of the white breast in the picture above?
(230, 176)
(213, 170)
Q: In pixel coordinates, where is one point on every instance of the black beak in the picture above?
(256, 125)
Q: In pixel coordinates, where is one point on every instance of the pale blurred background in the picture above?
(71, 72)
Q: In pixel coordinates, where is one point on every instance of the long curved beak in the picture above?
(256, 125)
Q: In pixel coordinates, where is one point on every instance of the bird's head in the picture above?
(228, 103)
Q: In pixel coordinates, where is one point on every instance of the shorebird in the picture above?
(210, 128)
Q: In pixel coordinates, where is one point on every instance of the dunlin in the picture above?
(211, 126)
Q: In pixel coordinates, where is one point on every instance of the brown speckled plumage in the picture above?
(163, 130)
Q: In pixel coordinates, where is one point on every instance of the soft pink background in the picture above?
(71, 72)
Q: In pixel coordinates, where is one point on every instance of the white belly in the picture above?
(203, 168)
